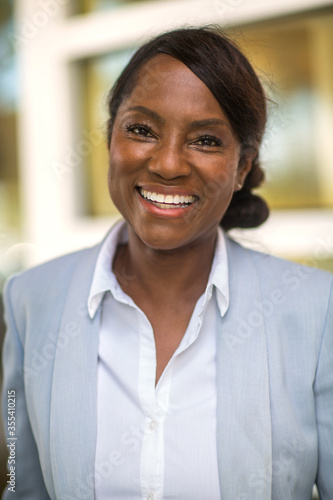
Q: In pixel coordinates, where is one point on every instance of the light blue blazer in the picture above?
(274, 379)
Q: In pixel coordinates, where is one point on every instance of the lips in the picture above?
(167, 201)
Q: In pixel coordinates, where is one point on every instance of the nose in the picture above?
(169, 160)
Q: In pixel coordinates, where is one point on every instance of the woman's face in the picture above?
(173, 158)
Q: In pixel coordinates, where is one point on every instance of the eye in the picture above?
(140, 130)
(208, 141)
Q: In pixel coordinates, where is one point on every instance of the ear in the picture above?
(244, 167)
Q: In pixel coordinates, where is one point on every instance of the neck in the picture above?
(161, 274)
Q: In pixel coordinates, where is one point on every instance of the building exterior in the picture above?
(68, 53)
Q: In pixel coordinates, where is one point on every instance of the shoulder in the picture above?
(293, 279)
(48, 279)
(272, 264)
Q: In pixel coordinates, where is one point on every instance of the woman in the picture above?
(169, 362)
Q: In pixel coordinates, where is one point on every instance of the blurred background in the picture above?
(58, 59)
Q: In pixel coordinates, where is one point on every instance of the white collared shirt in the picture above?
(155, 443)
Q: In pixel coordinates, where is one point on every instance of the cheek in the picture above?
(124, 164)
(222, 177)
(126, 159)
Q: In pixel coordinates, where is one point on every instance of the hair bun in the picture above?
(245, 210)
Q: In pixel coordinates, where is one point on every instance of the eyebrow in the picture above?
(208, 121)
(155, 116)
(196, 124)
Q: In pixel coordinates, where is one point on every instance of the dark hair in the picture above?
(222, 67)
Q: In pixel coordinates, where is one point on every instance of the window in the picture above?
(9, 204)
(293, 58)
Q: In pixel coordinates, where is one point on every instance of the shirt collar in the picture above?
(219, 275)
(104, 279)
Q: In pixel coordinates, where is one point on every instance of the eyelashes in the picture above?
(142, 130)
(208, 140)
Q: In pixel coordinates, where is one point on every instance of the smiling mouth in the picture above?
(167, 201)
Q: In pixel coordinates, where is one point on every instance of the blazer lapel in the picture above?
(73, 420)
(244, 444)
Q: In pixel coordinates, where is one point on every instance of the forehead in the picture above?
(164, 66)
(166, 81)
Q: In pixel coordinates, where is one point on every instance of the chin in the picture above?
(161, 243)
(162, 239)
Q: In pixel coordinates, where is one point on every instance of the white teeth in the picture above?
(167, 199)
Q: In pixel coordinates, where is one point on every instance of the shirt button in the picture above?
(152, 427)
